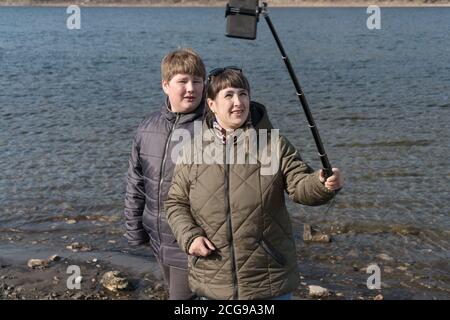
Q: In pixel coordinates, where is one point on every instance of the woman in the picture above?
(227, 215)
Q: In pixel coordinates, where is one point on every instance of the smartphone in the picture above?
(242, 17)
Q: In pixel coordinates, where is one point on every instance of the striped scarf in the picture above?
(225, 135)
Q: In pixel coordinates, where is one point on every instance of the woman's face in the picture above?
(231, 107)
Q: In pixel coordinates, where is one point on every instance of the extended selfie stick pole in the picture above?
(312, 125)
(315, 132)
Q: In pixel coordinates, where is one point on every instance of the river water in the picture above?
(70, 101)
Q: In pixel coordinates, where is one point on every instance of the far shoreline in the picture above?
(312, 4)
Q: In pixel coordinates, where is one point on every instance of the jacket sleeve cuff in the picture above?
(320, 187)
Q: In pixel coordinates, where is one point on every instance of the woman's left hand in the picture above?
(333, 182)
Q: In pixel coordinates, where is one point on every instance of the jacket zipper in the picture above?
(162, 176)
(229, 227)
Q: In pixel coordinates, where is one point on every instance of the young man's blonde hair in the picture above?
(185, 61)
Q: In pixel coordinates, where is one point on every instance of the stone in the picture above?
(37, 263)
(67, 206)
(76, 246)
(114, 281)
(385, 257)
(311, 234)
(159, 286)
(379, 297)
(54, 257)
(71, 221)
(352, 253)
(388, 270)
(318, 291)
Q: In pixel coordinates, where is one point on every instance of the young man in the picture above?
(151, 166)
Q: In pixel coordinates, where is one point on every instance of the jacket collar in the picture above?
(183, 117)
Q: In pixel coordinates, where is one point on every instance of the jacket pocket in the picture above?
(193, 260)
(271, 251)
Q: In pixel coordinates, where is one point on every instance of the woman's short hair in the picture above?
(228, 78)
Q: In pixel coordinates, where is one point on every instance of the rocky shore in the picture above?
(43, 279)
(42, 270)
(333, 261)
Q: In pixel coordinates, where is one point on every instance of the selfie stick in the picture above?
(311, 124)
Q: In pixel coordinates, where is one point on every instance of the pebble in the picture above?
(75, 246)
(159, 286)
(379, 297)
(352, 253)
(71, 221)
(66, 206)
(318, 291)
(385, 257)
(54, 257)
(37, 263)
(114, 281)
(312, 235)
(388, 270)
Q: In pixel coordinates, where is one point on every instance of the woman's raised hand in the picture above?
(334, 182)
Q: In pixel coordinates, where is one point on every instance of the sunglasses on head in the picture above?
(214, 72)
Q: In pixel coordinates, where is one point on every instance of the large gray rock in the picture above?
(115, 281)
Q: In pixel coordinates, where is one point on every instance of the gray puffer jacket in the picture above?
(148, 181)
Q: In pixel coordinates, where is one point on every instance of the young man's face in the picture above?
(184, 92)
